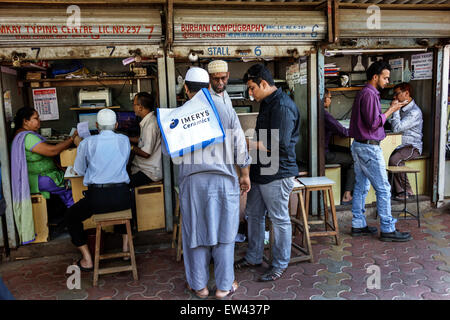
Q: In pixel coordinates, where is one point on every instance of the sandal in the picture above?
(224, 294)
(272, 275)
(197, 292)
(243, 264)
(83, 268)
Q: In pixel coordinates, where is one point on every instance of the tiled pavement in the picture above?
(419, 269)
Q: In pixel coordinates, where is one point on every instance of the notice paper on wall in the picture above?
(422, 66)
(46, 103)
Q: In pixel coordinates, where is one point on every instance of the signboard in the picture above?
(422, 66)
(222, 26)
(56, 25)
(46, 103)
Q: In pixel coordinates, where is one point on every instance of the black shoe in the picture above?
(243, 264)
(272, 274)
(395, 236)
(366, 231)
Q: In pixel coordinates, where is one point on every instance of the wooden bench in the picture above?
(150, 212)
(421, 164)
(40, 217)
(333, 172)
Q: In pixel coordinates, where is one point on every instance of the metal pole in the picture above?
(443, 126)
(168, 204)
(312, 97)
(5, 167)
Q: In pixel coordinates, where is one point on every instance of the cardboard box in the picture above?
(34, 75)
(35, 84)
(67, 157)
(150, 214)
(40, 218)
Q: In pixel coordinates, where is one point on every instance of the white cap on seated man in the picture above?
(106, 120)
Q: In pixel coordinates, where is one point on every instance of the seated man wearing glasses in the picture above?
(409, 121)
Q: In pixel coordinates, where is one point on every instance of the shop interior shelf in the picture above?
(93, 81)
(93, 108)
(355, 88)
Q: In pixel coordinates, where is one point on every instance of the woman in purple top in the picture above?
(332, 156)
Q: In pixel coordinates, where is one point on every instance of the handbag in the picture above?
(193, 126)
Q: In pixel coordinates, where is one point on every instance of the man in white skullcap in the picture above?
(209, 199)
(102, 160)
(219, 75)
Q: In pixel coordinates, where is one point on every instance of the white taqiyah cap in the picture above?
(217, 66)
(106, 117)
(196, 74)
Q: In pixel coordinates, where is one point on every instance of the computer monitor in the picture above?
(127, 122)
(91, 118)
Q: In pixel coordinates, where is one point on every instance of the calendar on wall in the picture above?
(46, 103)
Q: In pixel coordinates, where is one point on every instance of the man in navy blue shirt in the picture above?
(272, 176)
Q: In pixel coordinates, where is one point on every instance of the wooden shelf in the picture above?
(356, 88)
(92, 108)
(95, 81)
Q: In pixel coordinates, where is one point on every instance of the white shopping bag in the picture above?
(193, 126)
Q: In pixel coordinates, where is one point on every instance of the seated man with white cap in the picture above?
(219, 75)
(102, 160)
(209, 199)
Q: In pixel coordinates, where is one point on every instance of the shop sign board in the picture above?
(243, 51)
(224, 26)
(422, 66)
(96, 25)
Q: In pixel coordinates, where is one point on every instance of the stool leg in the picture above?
(417, 201)
(325, 208)
(130, 244)
(333, 214)
(304, 217)
(98, 235)
(307, 201)
(406, 193)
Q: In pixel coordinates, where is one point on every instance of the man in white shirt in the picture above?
(102, 160)
(147, 163)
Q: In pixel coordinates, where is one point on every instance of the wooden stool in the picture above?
(111, 219)
(402, 169)
(324, 185)
(303, 251)
(176, 235)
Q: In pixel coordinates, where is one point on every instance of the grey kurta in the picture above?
(209, 190)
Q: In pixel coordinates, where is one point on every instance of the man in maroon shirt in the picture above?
(366, 127)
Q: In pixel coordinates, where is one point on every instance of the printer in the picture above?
(236, 89)
(99, 97)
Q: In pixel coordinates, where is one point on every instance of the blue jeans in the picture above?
(370, 168)
(272, 198)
